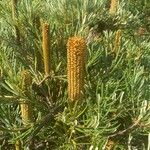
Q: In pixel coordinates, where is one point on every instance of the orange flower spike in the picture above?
(46, 47)
(76, 47)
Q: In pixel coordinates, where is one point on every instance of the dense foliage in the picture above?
(115, 112)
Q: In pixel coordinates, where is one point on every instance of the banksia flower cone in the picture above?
(26, 109)
(76, 47)
(26, 112)
(26, 79)
(46, 47)
(113, 7)
(117, 41)
(18, 145)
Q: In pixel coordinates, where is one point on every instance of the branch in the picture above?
(126, 130)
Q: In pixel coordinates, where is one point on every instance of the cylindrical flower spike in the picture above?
(46, 47)
(113, 7)
(117, 41)
(18, 145)
(76, 54)
(26, 108)
(26, 79)
(26, 112)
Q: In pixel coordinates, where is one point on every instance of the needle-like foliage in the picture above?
(115, 112)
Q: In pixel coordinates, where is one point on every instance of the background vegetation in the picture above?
(115, 112)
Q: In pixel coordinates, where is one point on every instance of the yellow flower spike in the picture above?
(26, 79)
(18, 145)
(26, 108)
(26, 112)
(113, 7)
(46, 47)
(76, 54)
(117, 41)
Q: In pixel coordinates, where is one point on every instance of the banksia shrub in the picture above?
(46, 47)
(26, 109)
(76, 47)
(113, 7)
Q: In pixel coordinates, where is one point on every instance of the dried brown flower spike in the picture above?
(76, 47)
(46, 47)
